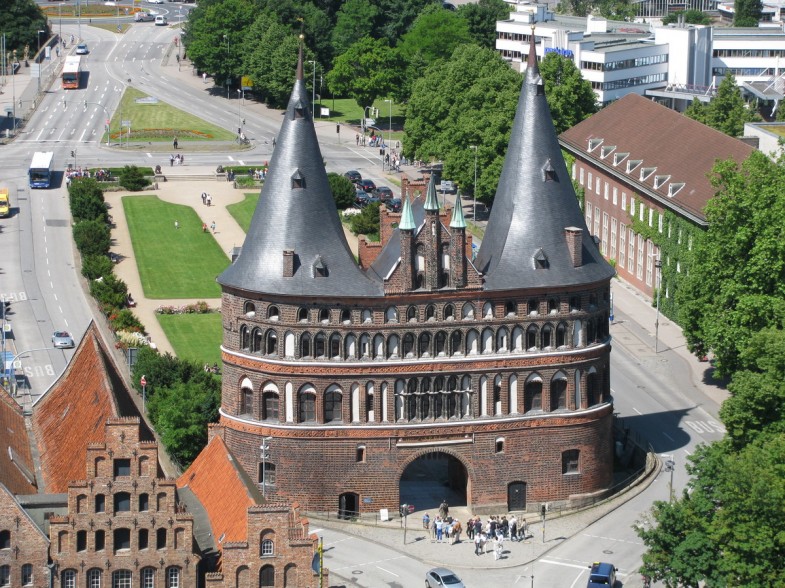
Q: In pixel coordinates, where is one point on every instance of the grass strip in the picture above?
(243, 211)
(195, 337)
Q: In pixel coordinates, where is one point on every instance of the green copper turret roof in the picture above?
(431, 199)
(458, 221)
(407, 218)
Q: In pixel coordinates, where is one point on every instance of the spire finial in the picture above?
(532, 60)
(300, 58)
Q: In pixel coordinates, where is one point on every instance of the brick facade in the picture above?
(124, 519)
(24, 548)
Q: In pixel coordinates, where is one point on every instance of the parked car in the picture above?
(160, 21)
(144, 17)
(354, 176)
(62, 340)
(601, 575)
(383, 193)
(360, 198)
(394, 205)
(81, 49)
(442, 578)
(367, 185)
(155, 1)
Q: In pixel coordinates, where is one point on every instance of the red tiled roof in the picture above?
(16, 461)
(679, 147)
(73, 413)
(223, 489)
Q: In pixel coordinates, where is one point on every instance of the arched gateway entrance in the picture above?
(432, 478)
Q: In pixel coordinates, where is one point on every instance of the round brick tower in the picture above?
(343, 381)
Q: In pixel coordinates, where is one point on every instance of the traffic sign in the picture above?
(143, 381)
(411, 508)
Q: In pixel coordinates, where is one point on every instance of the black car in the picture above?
(367, 185)
(383, 193)
(394, 205)
(354, 176)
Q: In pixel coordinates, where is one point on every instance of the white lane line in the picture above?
(149, 155)
(558, 563)
(82, 137)
(637, 411)
(388, 571)
(230, 158)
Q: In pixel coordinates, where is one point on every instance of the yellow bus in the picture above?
(5, 203)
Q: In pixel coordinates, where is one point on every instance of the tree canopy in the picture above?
(747, 13)
(727, 112)
(22, 19)
(434, 35)
(570, 97)
(368, 70)
(691, 16)
(481, 19)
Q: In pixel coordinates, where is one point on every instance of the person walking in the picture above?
(204, 77)
(174, 143)
(171, 161)
(212, 226)
(439, 529)
(426, 521)
(176, 224)
(204, 198)
(204, 227)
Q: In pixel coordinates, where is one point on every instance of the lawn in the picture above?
(194, 337)
(173, 263)
(162, 122)
(346, 110)
(243, 211)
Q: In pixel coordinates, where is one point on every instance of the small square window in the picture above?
(122, 467)
(360, 455)
(499, 447)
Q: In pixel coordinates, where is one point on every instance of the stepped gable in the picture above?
(74, 411)
(17, 471)
(681, 149)
(224, 490)
(390, 256)
(525, 243)
(296, 245)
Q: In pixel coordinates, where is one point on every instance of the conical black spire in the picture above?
(525, 244)
(296, 245)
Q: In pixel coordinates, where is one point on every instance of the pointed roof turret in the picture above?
(407, 217)
(431, 198)
(296, 244)
(458, 221)
(534, 204)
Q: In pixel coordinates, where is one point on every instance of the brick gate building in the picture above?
(497, 368)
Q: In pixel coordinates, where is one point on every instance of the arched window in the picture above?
(425, 345)
(430, 313)
(408, 345)
(510, 308)
(332, 405)
(267, 544)
(335, 346)
(531, 338)
(249, 308)
(256, 341)
(577, 333)
(270, 403)
(320, 346)
(122, 539)
(81, 541)
(392, 346)
(290, 576)
(346, 316)
(302, 315)
(502, 342)
(246, 398)
(144, 502)
(467, 312)
(559, 391)
(245, 339)
(307, 405)
(367, 316)
(267, 576)
(517, 339)
(472, 342)
(161, 501)
(350, 347)
(305, 345)
(173, 577)
(378, 346)
(487, 311)
(391, 315)
(27, 574)
(68, 579)
(5, 576)
(553, 306)
(273, 313)
(143, 539)
(561, 335)
(547, 336)
(365, 345)
(533, 307)
(449, 312)
(592, 388)
(271, 343)
(411, 314)
(591, 331)
(160, 538)
(324, 315)
(532, 395)
(456, 343)
(100, 503)
(441, 343)
(570, 461)
(487, 341)
(497, 396)
(148, 577)
(94, 576)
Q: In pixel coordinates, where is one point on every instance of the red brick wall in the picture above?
(28, 544)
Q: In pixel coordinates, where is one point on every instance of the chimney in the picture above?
(288, 263)
(574, 236)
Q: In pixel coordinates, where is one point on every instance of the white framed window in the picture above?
(121, 579)
(596, 220)
(607, 190)
(591, 180)
(631, 250)
(624, 200)
(641, 211)
(615, 196)
(94, 578)
(580, 176)
(173, 577)
(639, 262)
(649, 264)
(68, 579)
(632, 207)
(660, 223)
(597, 185)
(574, 170)
(622, 245)
(613, 237)
(268, 548)
(148, 578)
(651, 217)
(588, 216)
(604, 241)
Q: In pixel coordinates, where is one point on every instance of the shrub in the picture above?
(125, 320)
(109, 291)
(92, 237)
(86, 200)
(245, 182)
(95, 266)
(132, 179)
(367, 222)
(343, 190)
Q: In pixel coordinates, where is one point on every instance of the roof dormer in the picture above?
(674, 188)
(660, 180)
(632, 164)
(607, 150)
(646, 173)
(619, 157)
(594, 143)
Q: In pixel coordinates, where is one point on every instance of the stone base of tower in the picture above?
(499, 465)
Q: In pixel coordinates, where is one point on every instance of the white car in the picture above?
(155, 1)
(81, 49)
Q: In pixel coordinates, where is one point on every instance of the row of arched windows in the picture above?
(432, 312)
(430, 398)
(122, 502)
(267, 576)
(121, 540)
(426, 344)
(95, 578)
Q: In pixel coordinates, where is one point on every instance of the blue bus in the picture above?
(41, 169)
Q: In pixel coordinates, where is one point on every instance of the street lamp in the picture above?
(239, 118)
(389, 129)
(658, 269)
(265, 449)
(313, 86)
(474, 202)
(39, 40)
(670, 465)
(226, 38)
(13, 362)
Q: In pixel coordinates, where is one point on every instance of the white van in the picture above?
(160, 21)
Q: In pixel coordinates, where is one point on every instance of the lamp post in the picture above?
(226, 38)
(108, 119)
(389, 129)
(79, 19)
(17, 356)
(658, 269)
(474, 191)
(313, 86)
(39, 40)
(365, 119)
(670, 466)
(239, 117)
(265, 449)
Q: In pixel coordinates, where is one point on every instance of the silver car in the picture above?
(62, 340)
(442, 578)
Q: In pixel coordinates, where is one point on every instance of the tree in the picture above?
(736, 283)
(481, 20)
(478, 110)
(160, 370)
(110, 292)
(86, 200)
(727, 112)
(395, 17)
(354, 21)
(22, 19)
(132, 179)
(369, 69)
(691, 16)
(434, 35)
(342, 189)
(747, 13)
(617, 9)
(92, 237)
(96, 266)
(367, 222)
(570, 97)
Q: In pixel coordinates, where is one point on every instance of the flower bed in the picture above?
(200, 307)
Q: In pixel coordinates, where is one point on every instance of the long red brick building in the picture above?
(342, 381)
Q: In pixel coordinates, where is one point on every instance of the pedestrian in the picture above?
(212, 226)
(357, 138)
(204, 197)
(513, 528)
(273, 142)
(444, 509)
(171, 161)
(176, 224)
(174, 142)
(182, 159)
(456, 532)
(477, 543)
(204, 227)
(426, 521)
(209, 200)
(204, 77)
(439, 529)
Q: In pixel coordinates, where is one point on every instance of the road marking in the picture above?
(388, 571)
(230, 158)
(709, 426)
(82, 137)
(612, 539)
(149, 155)
(558, 563)
(637, 411)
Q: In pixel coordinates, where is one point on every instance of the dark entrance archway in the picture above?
(432, 478)
(516, 496)
(348, 505)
